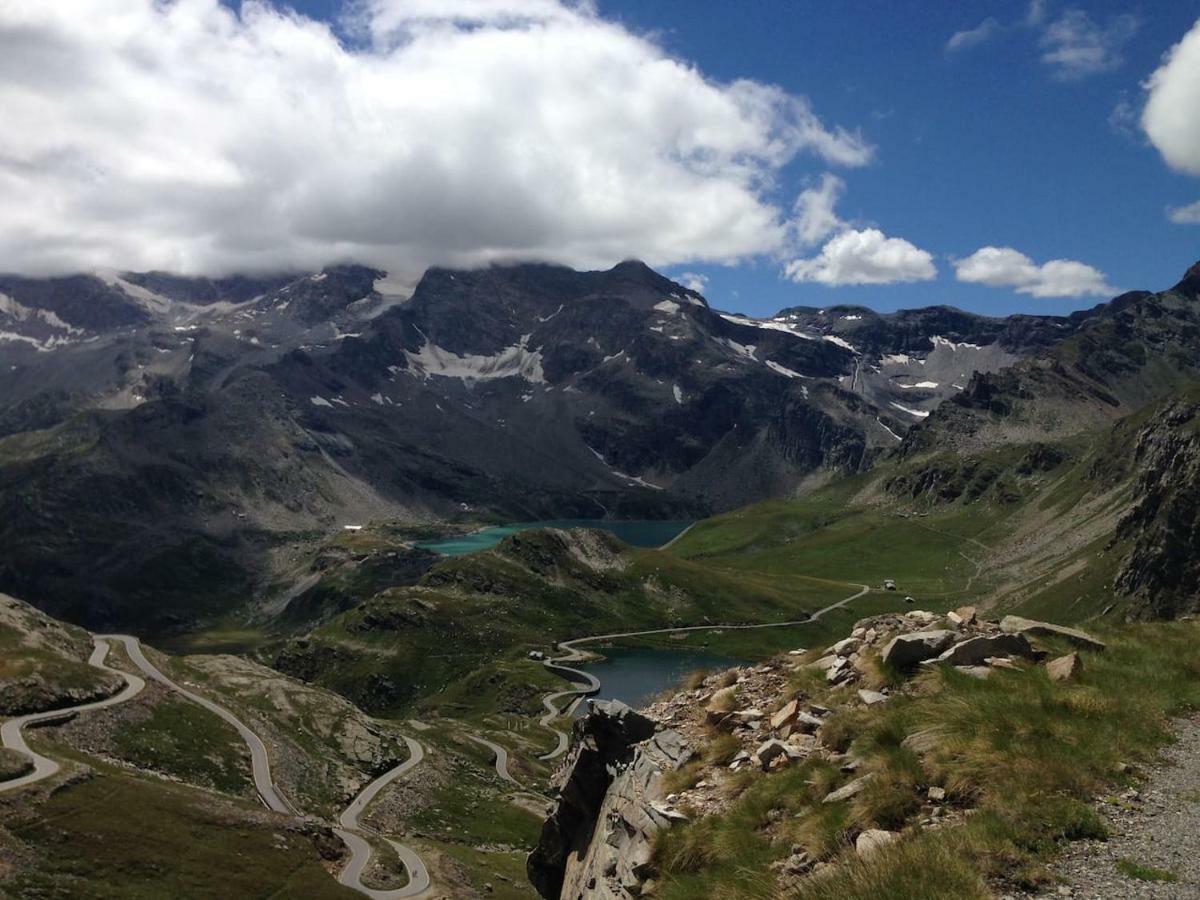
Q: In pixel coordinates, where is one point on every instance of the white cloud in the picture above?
(973, 37)
(1075, 46)
(1005, 267)
(1036, 14)
(1171, 118)
(693, 281)
(181, 135)
(815, 216)
(1185, 215)
(866, 256)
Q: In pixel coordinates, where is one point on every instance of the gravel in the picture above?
(1156, 825)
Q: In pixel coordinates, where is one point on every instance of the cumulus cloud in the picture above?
(973, 37)
(182, 135)
(865, 256)
(1171, 118)
(1008, 268)
(693, 281)
(1076, 46)
(816, 218)
(1185, 215)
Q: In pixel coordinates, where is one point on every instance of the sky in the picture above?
(1000, 157)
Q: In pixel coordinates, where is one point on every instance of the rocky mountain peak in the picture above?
(1191, 281)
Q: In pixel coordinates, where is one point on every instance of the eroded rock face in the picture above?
(598, 840)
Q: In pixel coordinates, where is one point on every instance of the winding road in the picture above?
(260, 763)
(351, 831)
(501, 757)
(590, 684)
(360, 849)
(43, 767)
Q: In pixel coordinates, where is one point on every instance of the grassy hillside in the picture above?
(483, 612)
(1024, 754)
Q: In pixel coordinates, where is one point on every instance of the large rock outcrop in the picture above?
(597, 842)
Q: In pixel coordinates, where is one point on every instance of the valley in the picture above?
(391, 709)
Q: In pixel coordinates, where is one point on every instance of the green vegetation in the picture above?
(471, 613)
(34, 644)
(1135, 870)
(116, 836)
(1025, 754)
(467, 807)
(189, 743)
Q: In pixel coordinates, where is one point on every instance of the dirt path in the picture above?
(1156, 826)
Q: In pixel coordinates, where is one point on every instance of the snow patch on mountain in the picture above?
(517, 361)
(744, 350)
(840, 342)
(783, 370)
(939, 341)
(919, 413)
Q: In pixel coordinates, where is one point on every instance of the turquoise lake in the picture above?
(634, 533)
(634, 676)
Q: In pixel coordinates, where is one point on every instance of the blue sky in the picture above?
(993, 156)
(985, 145)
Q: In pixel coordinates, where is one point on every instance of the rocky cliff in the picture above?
(1162, 570)
(598, 841)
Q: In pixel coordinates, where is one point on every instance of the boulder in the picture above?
(786, 715)
(845, 647)
(920, 617)
(807, 723)
(768, 751)
(1081, 639)
(1065, 668)
(871, 697)
(839, 671)
(974, 651)
(964, 615)
(823, 663)
(907, 650)
(850, 789)
(936, 794)
(872, 840)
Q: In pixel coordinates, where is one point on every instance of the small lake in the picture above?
(635, 676)
(634, 533)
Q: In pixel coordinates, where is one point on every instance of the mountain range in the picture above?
(170, 445)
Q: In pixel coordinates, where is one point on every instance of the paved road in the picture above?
(501, 757)
(260, 762)
(44, 767)
(272, 797)
(360, 849)
(591, 684)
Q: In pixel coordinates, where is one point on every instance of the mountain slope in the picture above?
(175, 452)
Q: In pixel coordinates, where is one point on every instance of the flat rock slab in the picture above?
(1018, 625)
(975, 651)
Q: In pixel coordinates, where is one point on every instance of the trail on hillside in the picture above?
(1155, 826)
